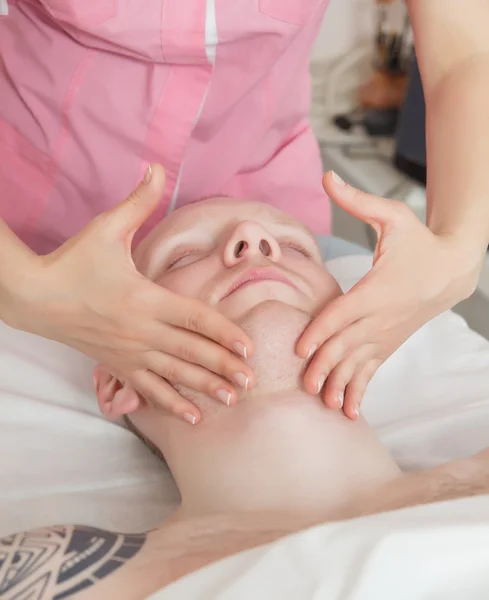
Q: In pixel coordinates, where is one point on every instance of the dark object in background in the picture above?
(376, 121)
(410, 155)
(381, 122)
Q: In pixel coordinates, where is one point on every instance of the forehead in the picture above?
(223, 211)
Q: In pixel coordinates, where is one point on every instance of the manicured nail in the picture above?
(321, 381)
(224, 396)
(240, 349)
(311, 351)
(337, 179)
(242, 380)
(148, 175)
(340, 398)
(192, 419)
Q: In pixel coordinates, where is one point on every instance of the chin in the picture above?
(275, 328)
(251, 297)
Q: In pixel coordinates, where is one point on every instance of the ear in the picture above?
(114, 398)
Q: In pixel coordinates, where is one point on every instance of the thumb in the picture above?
(127, 217)
(374, 210)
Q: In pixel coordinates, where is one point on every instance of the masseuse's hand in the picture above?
(416, 275)
(89, 295)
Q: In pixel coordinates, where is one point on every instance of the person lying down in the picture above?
(276, 462)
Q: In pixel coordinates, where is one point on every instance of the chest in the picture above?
(178, 31)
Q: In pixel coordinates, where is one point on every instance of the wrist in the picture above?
(15, 281)
(465, 255)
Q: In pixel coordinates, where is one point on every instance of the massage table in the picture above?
(61, 462)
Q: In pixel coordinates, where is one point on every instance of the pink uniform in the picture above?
(91, 91)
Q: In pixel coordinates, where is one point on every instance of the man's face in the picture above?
(256, 266)
(236, 255)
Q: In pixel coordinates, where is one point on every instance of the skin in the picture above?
(277, 462)
(89, 295)
(192, 253)
(355, 335)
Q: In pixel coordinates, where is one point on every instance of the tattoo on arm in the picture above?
(57, 562)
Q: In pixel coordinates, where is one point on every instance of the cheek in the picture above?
(190, 281)
(323, 283)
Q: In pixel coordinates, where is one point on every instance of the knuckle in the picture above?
(356, 194)
(187, 354)
(211, 383)
(195, 321)
(225, 363)
(172, 373)
(133, 198)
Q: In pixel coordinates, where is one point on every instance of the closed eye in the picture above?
(295, 246)
(182, 258)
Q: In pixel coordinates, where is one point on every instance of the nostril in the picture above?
(265, 248)
(238, 249)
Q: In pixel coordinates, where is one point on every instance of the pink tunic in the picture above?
(217, 91)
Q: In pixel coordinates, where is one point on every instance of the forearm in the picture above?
(15, 259)
(458, 154)
(452, 48)
(456, 479)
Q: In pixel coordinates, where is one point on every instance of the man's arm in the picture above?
(456, 479)
(452, 47)
(58, 562)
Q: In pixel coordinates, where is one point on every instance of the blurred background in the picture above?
(368, 113)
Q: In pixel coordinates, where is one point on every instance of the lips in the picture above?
(257, 274)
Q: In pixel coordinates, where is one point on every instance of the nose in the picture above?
(249, 241)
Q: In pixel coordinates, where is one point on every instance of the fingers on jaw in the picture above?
(160, 394)
(348, 345)
(327, 359)
(203, 320)
(197, 378)
(334, 391)
(190, 350)
(357, 387)
(326, 325)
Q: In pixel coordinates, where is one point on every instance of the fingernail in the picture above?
(148, 175)
(224, 396)
(240, 349)
(321, 381)
(337, 179)
(340, 398)
(242, 380)
(357, 411)
(192, 419)
(311, 351)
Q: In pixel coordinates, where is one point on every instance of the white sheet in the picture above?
(438, 552)
(62, 463)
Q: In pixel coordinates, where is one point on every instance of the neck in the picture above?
(276, 451)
